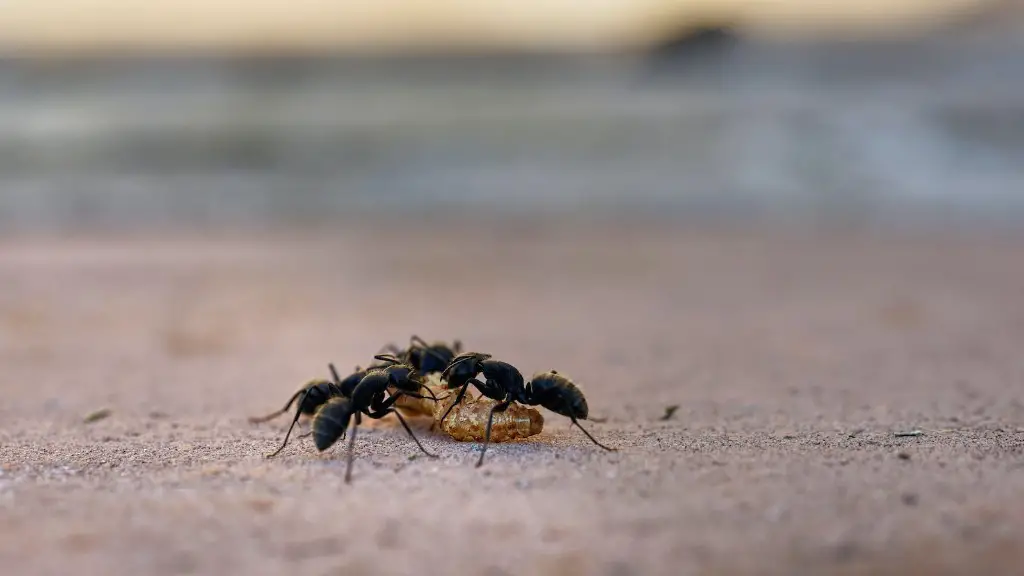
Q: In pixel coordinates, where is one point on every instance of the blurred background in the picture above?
(202, 202)
(205, 114)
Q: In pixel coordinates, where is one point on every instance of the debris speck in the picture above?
(903, 455)
(97, 415)
(670, 411)
(909, 434)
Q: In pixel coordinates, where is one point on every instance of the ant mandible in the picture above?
(504, 382)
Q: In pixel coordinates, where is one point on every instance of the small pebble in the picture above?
(97, 415)
(903, 456)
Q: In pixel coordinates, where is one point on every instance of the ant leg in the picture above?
(462, 393)
(500, 407)
(351, 441)
(411, 435)
(289, 433)
(271, 416)
(415, 340)
(420, 396)
(429, 391)
(576, 422)
(334, 373)
(476, 383)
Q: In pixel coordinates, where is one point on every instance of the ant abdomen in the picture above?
(558, 394)
(331, 421)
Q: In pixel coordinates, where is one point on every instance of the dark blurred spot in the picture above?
(845, 551)
(694, 46)
(388, 536)
(79, 542)
(313, 548)
(98, 415)
(261, 505)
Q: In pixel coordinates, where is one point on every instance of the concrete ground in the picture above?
(795, 358)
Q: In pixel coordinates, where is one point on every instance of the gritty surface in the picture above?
(795, 359)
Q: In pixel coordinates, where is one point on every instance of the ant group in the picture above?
(373, 391)
(363, 393)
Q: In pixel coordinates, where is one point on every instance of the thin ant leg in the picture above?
(351, 442)
(415, 340)
(271, 416)
(462, 392)
(420, 396)
(379, 410)
(576, 422)
(500, 407)
(385, 408)
(429, 391)
(411, 435)
(297, 414)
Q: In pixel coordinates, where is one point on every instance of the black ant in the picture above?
(311, 397)
(504, 382)
(370, 397)
(425, 357)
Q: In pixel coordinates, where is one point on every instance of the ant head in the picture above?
(404, 377)
(471, 358)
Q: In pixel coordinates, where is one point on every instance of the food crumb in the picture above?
(98, 415)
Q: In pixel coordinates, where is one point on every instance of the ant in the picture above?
(425, 357)
(311, 397)
(504, 382)
(369, 397)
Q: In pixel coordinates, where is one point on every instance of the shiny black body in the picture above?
(558, 394)
(311, 397)
(430, 358)
(331, 421)
(504, 383)
(370, 398)
(426, 357)
(313, 394)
